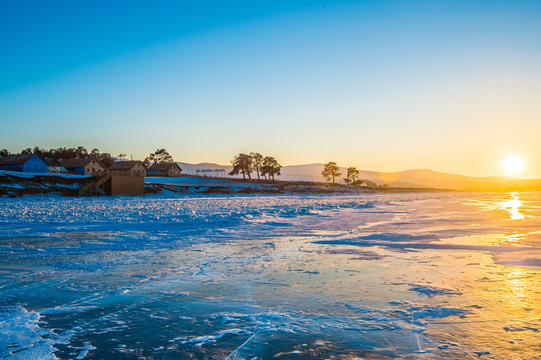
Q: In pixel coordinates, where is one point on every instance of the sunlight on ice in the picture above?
(516, 282)
(513, 206)
(514, 239)
(372, 276)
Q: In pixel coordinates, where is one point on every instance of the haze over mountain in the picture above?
(423, 178)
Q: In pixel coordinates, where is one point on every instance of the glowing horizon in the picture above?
(366, 84)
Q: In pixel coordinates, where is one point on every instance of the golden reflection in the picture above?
(513, 206)
(514, 239)
(517, 284)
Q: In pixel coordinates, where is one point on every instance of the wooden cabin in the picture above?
(126, 178)
(86, 166)
(128, 168)
(165, 169)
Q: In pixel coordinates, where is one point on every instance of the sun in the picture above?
(513, 164)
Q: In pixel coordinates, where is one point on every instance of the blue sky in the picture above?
(381, 85)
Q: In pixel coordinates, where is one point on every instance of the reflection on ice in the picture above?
(513, 207)
(304, 277)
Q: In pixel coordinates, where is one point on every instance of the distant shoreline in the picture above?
(14, 184)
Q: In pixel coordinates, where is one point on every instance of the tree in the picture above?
(105, 158)
(4, 152)
(39, 151)
(121, 156)
(81, 152)
(257, 163)
(158, 156)
(270, 167)
(331, 171)
(352, 175)
(242, 164)
(63, 153)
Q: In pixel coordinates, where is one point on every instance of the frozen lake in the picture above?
(414, 276)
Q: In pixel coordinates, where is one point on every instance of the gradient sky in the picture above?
(452, 86)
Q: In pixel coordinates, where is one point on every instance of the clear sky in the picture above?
(452, 86)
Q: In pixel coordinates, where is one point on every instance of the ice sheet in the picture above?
(430, 276)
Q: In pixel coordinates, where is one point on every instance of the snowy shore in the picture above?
(15, 184)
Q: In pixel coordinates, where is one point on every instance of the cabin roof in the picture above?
(17, 159)
(125, 165)
(52, 162)
(79, 163)
(164, 166)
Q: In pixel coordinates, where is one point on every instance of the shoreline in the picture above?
(14, 184)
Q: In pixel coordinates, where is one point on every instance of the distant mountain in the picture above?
(409, 178)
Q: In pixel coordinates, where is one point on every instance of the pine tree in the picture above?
(331, 171)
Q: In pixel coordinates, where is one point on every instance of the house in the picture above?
(24, 163)
(55, 167)
(128, 168)
(126, 178)
(165, 169)
(85, 166)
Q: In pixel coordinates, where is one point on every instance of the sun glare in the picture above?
(513, 165)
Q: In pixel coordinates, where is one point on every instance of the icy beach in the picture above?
(372, 276)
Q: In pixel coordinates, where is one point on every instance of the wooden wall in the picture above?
(125, 185)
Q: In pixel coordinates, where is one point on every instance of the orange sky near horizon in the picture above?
(373, 85)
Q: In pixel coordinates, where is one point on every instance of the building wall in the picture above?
(78, 171)
(35, 164)
(94, 168)
(11, 167)
(57, 169)
(139, 170)
(125, 185)
(173, 171)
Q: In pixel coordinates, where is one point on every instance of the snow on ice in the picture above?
(439, 275)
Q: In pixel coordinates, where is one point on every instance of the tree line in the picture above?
(245, 164)
(63, 153)
(264, 166)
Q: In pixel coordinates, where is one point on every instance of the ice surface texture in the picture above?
(418, 276)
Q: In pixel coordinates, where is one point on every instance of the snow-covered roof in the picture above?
(79, 163)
